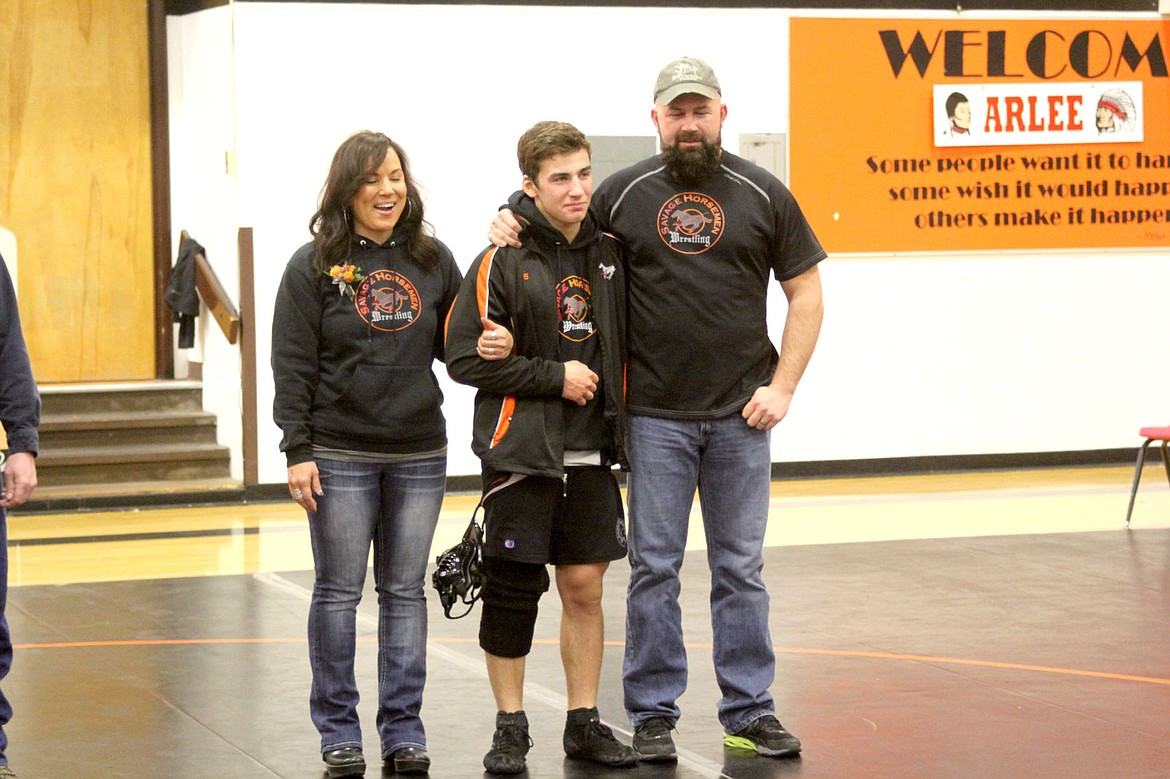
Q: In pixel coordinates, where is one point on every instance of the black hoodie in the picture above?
(519, 412)
(354, 372)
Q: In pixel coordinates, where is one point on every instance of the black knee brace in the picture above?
(511, 591)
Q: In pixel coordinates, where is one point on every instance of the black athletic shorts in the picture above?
(564, 522)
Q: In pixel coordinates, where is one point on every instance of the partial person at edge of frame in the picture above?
(357, 324)
(548, 427)
(20, 414)
(705, 387)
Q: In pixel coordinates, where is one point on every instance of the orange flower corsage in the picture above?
(345, 277)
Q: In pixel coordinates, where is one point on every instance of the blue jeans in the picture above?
(395, 508)
(5, 636)
(730, 464)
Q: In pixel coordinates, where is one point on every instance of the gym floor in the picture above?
(1001, 625)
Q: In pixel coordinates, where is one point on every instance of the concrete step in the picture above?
(122, 428)
(127, 433)
(120, 396)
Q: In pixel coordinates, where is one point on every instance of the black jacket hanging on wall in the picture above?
(181, 294)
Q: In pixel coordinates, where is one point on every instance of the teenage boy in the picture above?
(548, 427)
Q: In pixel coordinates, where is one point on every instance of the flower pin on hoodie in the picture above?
(345, 276)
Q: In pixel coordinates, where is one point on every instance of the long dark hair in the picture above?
(358, 156)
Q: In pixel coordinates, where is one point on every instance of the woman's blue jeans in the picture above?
(730, 465)
(394, 507)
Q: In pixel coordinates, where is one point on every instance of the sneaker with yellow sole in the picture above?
(766, 736)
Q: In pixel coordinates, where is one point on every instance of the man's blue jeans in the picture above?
(394, 507)
(730, 464)
(5, 636)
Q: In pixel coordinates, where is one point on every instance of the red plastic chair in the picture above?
(1152, 434)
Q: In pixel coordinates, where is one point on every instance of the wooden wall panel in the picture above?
(75, 184)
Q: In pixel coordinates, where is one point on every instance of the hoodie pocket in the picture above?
(387, 402)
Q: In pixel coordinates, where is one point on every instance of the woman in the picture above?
(358, 321)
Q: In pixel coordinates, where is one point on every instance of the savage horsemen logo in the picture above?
(388, 301)
(690, 222)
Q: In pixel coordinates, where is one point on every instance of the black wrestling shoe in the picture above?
(586, 738)
(510, 744)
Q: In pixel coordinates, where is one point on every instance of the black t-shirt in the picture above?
(698, 265)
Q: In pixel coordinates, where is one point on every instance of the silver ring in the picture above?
(297, 494)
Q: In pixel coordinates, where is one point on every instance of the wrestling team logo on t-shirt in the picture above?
(690, 222)
(388, 301)
(574, 312)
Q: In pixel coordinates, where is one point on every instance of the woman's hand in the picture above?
(304, 484)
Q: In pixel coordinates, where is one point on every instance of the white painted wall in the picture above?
(920, 355)
(204, 200)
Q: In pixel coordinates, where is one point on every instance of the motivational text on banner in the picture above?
(889, 169)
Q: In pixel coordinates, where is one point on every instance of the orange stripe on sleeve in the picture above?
(481, 281)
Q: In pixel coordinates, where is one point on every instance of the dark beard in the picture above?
(691, 166)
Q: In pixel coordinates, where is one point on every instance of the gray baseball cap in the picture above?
(684, 75)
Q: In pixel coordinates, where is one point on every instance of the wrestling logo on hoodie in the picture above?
(388, 301)
(574, 312)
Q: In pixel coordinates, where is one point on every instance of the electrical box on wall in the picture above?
(611, 153)
(766, 150)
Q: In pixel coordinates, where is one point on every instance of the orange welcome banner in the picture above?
(901, 137)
